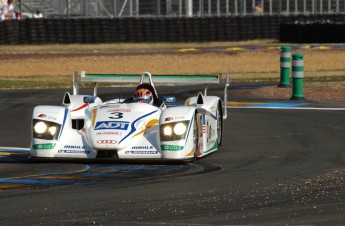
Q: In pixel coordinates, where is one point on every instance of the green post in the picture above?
(285, 64)
(297, 76)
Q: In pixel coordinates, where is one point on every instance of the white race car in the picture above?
(86, 127)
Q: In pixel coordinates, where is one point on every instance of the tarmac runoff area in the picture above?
(90, 174)
(281, 162)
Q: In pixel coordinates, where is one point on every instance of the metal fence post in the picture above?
(189, 8)
(297, 76)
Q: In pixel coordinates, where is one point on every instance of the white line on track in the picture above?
(14, 148)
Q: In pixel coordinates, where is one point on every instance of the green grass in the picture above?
(30, 82)
(94, 48)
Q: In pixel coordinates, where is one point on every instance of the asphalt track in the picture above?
(281, 163)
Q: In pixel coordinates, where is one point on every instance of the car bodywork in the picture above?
(86, 127)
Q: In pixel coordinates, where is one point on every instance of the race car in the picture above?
(84, 126)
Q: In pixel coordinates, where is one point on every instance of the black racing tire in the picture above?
(195, 139)
(219, 124)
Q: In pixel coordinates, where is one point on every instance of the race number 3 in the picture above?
(116, 115)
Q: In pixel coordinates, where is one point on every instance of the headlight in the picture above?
(174, 131)
(45, 129)
(40, 127)
(52, 130)
(180, 129)
(167, 131)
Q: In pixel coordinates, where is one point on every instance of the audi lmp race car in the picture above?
(86, 127)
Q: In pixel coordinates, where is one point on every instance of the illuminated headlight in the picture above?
(174, 131)
(40, 127)
(45, 129)
(167, 131)
(180, 129)
(52, 130)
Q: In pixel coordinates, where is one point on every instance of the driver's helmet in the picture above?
(143, 95)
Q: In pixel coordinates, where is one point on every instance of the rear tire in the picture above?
(219, 124)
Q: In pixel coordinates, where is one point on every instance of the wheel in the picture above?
(195, 139)
(219, 124)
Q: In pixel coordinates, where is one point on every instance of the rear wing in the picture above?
(152, 79)
(135, 78)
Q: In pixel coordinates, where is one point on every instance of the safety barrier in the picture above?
(285, 64)
(297, 76)
(115, 30)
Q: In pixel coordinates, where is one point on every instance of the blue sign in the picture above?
(116, 125)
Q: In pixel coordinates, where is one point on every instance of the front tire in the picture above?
(195, 139)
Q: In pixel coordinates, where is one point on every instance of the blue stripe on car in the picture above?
(133, 129)
(190, 126)
(63, 123)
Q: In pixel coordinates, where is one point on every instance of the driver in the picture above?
(143, 95)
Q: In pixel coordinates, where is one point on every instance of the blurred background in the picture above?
(175, 8)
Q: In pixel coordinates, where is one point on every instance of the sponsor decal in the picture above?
(89, 99)
(170, 100)
(109, 133)
(171, 147)
(142, 152)
(203, 122)
(43, 146)
(106, 141)
(73, 151)
(74, 146)
(119, 110)
(173, 118)
(142, 147)
(46, 116)
(116, 125)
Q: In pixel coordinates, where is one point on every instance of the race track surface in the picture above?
(276, 167)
